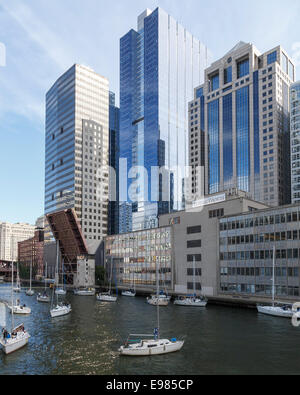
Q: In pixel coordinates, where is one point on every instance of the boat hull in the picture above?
(191, 303)
(158, 301)
(107, 298)
(275, 311)
(167, 347)
(11, 345)
(128, 294)
(20, 310)
(30, 292)
(43, 299)
(61, 311)
(60, 292)
(84, 293)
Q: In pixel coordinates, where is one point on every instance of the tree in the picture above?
(100, 276)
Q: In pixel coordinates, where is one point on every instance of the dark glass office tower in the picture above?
(160, 64)
(114, 136)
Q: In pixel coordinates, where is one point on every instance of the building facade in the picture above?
(160, 64)
(77, 142)
(239, 125)
(31, 251)
(181, 238)
(196, 238)
(132, 258)
(10, 235)
(114, 150)
(295, 141)
(246, 248)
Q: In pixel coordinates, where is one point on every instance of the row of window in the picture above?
(260, 271)
(261, 238)
(260, 221)
(291, 253)
(259, 289)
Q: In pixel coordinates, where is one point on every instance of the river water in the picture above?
(218, 340)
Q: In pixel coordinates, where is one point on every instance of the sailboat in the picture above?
(160, 298)
(148, 345)
(30, 291)
(18, 337)
(84, 291)
(192, 301)
(60, 290)
(17, 288)
(44, 297)
(281, 309)
(108, 296)
(131, 293)
(60, 309)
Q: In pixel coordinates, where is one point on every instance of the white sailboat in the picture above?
(44, 297)
(108, 296)
(18, 337)
(281, 309)
(131, 293)
(60, 290)
(58, 309)
(85, 292)
(147, 345)
(191, 301)
(30, 291)
(17, 288)
(19, 309)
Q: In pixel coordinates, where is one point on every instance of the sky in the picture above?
(40, 39)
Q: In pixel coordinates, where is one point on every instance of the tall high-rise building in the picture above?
(114, 142)
(160, 64)
(10, 236)
(239, 124)
(77, 133)
(295, 141)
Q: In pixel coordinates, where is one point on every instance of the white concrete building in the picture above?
(239, 124)
(10, 235)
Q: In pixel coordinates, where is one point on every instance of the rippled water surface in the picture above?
(219, 340)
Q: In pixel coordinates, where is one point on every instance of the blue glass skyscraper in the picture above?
(160, 64)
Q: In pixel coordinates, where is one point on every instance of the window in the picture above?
(214, 82)
(216, 213)
(194, 244)
(198, 272)
(242, 68)
(190, 286)
(193, 229)
(199, 93)
(197, 257)
(228, 75)
(272, 57)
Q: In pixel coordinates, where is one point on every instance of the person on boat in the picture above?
(5, 333)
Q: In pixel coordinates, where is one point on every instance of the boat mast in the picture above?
(30, 273)
(194, 279)
(273, 278)
(12, 296)
(157, 301)
(45, 276)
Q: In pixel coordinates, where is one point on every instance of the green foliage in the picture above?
(24, 270)
(100, 276)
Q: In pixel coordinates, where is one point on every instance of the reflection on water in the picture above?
(219, 340)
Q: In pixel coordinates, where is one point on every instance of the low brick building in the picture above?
(32, 250)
